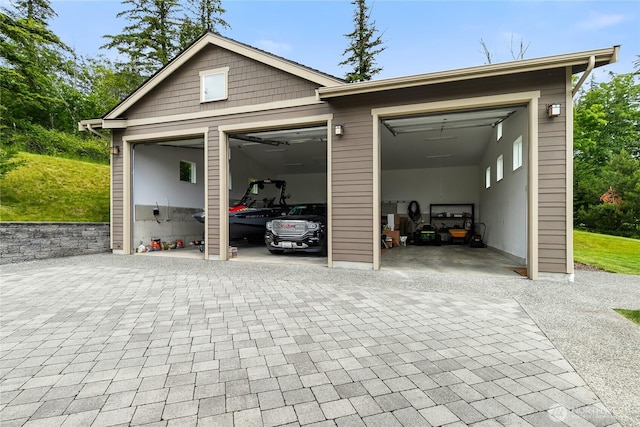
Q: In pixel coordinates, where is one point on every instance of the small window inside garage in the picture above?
(440, 207)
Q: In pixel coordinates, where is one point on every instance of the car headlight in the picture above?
(313, 226)
(269, 226)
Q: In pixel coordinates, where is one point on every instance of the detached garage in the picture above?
(483, 151)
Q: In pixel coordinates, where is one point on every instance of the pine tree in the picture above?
(32, 58)
(148, 42)
(204, 15)
(158, 30)
(364, 45)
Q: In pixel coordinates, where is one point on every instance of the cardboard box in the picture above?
(395, 236)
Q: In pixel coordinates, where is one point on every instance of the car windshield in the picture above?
(308, 210)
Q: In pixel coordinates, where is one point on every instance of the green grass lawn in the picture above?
(609, 253)
(54, 189)
(633, 315)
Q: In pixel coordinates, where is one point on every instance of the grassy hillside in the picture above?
(53, 189)
(609, 253)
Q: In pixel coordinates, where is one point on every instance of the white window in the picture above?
(487, 177)
(517, 153)
(187, 171)
(499, 168)
(213, 84)
(499, 131)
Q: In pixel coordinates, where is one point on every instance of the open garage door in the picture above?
(273, 173)
(168, 187)
(453, 190)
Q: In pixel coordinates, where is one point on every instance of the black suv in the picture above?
(302, 229)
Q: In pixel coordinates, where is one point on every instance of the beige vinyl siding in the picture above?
(213, 195)
(352, 186)
(552, 192)
(249, 83)
(117, 207)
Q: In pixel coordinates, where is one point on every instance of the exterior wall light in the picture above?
(553, 110)
(115, 150)
(338, 130)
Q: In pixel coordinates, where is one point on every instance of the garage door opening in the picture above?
(168, 188)
(453, 191)
(278, 180)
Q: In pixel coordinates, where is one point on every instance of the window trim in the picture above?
(487, 178)
(498, 131)
(224, 71)
(517, 153)
(192, 178)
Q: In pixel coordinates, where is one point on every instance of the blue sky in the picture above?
(420, 36)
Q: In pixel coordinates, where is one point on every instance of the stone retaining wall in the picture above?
(28, 241)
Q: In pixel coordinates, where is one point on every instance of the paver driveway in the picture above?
(95, 341)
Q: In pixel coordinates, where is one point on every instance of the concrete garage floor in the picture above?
(455, 259)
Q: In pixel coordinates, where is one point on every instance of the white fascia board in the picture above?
(115, 124)
(94, 123)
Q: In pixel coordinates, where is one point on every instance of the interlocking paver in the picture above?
(337, 408)
(308, 413)
(270, 399)
(438, 415)
(147, 414)
(365, 405)
(279, 416)
(248, 418)
(201, 346)
(410, 417)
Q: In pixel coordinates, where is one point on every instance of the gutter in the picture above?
(590, 66)
(95, 132)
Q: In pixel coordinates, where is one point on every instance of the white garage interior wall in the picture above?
(504, 204)
(306, 188)
(303, 185)
(430, 186)
(242, 168)
(156, 180)
(500, 211)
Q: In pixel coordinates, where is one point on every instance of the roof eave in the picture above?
(578, 62)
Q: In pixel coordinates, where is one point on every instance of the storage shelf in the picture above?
(451, 212)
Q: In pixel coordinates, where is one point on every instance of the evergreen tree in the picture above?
(158, 30)
(203, 15)
(607, 154)
(31, 62)
(148, 41)
(364, 45)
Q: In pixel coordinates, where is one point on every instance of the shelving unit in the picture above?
(453, 215)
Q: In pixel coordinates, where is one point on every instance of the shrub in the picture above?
(609, 219)
(51, 142)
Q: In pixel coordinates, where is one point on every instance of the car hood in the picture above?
(315, 218)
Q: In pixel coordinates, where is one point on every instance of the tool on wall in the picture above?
(156, 212)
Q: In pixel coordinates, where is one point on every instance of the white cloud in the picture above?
(277, 48)
(597, 21)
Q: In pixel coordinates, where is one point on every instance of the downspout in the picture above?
(95, 132)
(590, 66)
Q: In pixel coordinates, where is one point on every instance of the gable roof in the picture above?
(578, 62)
(278, 62)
